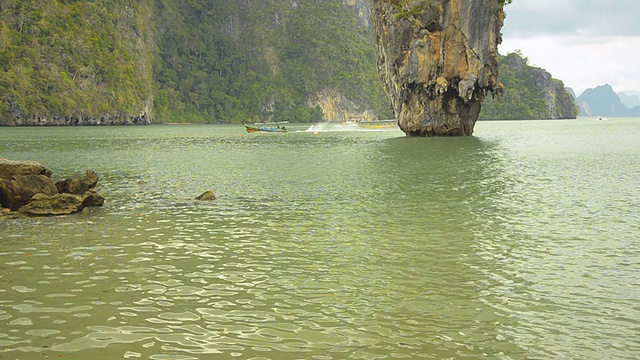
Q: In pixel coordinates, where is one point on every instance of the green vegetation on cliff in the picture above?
(188, 61)
(225, 62)
(528, 93)
(74, 58)
(199, 61)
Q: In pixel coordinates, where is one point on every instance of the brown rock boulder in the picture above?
(17, 192)
(9, 169)
(20, 180)
(27, 187)
(59, 204)
(78, 186)
(206, 196)
(92, 198)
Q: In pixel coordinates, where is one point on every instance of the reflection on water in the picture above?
(335, 245)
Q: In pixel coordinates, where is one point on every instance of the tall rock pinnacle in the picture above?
(438, 60)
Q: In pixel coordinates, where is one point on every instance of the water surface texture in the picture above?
(521, 242)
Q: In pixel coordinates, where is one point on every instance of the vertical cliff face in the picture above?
(363, 9)
(438, 60)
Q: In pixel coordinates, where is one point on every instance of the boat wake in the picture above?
(346, 126)
(333, 126)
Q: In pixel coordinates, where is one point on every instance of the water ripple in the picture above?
(333, 246)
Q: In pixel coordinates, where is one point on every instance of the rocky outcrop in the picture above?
(9, 169)
(206, 196)
(27, 188)
(60, 204)
(438, 60)
(527, 93)
(78, 186)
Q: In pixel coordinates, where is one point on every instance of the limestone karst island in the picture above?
(438, 60)
(427, 64)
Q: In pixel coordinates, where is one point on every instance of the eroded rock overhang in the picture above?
(438, 60)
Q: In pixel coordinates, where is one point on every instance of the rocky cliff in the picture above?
(87, 62)
(438, 60)
(75, 62)
(281, 60)
(528, 92)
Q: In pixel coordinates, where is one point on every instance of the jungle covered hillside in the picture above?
(74, 62)
(528, 92)
(75, 59)
(187, 61)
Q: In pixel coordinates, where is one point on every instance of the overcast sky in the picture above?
(584, 43)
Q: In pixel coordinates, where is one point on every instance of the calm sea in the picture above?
(522, 242)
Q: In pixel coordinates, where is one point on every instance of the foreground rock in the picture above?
(206, 196)
(9, 168)
(438, 60)
(26, 187)
(61, 204)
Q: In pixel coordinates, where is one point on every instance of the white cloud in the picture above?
(584, 43)
(547, 6)
(526, 18)
(583, 64)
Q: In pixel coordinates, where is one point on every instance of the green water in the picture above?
(521, 242)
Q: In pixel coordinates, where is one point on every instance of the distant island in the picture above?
(629, 99)
(604, 101)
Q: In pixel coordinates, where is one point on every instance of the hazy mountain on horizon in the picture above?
(603, 101)
(630, 99)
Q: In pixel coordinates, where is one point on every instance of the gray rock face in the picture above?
(438, 60)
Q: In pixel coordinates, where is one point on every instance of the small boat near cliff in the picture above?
(379, 124)
(266, 127)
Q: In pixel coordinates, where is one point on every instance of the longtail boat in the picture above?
(379, 124)
(266, 127)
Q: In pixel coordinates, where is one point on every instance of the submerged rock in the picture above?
(206, 196)
(438, 60)
(27, 188)
(92, 198)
